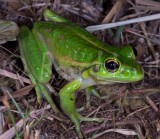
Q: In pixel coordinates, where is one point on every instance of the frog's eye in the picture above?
(111, 65)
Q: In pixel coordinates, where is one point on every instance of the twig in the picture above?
(20, 93)
(139, 35)
(14, 76)
(146, 107)
(115, 9)
(106, 125)
(9, 134)
(152, 104)
(121, 131)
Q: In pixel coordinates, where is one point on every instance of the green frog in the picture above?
(78, 57)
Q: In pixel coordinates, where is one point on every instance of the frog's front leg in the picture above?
(91, 90)
(67, 101)
(52, 16)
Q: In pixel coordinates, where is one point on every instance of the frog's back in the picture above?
(71, 43)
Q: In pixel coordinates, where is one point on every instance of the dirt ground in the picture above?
(130, 110)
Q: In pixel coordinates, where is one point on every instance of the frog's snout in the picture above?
(133, 74)
(141, 74)
(138, 74)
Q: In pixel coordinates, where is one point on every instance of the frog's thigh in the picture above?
(91, 91)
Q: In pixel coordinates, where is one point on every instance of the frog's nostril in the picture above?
(131, 73)
(126, 73)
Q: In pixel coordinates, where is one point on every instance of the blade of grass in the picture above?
(122, 23)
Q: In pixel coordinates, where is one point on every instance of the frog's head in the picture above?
(116, 65)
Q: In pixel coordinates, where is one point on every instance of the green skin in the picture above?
(77, 56)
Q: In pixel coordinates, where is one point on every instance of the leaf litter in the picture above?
(130, 110)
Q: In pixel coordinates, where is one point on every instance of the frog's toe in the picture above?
(39, 95)
(76, 118)
(91, 91)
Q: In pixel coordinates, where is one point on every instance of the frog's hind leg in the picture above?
(39, 94)
(67, 102)
(41, 88)
(37, 89)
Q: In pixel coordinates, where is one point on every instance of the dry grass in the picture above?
(130, 110)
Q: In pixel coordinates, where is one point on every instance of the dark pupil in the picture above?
(111, 66)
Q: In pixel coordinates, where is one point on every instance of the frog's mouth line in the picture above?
(108, 81)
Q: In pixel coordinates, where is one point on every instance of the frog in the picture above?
(78, 57)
